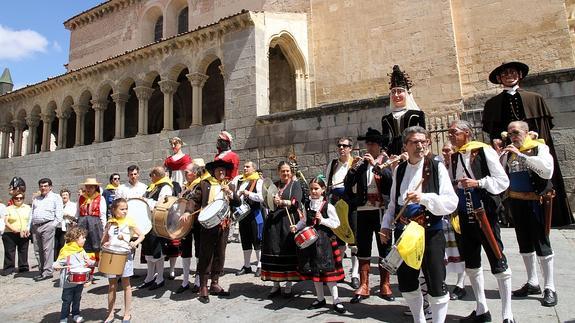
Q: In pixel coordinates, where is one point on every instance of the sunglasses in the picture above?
(343, 146)
(514, 133)
(116, 179)
(17, 198)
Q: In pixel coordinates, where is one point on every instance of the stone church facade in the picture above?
(282, 76)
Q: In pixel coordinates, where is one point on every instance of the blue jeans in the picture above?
(71, 296)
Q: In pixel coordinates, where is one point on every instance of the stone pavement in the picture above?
(24, 300)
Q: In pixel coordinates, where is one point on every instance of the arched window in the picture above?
(183, 21)
(158, 29)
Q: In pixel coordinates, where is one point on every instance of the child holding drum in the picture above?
(117, 237)
(320, 261)
(73, 262)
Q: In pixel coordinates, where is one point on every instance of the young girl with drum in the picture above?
(320, 261)
(117, 236)
(73, 261)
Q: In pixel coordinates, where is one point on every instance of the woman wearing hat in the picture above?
(92, 215)
(404, 112)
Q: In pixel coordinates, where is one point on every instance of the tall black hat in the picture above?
(520, 67)
(399, 79)
(372, 135)
(17, 183)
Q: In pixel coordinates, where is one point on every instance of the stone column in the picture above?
(168, 87)
(197, 80)
(46, 131)
(62, 128)
(5, 132)
(18, 129)
(99, 107)
(143, 94)
(80, 111)
(120, 99)
(33, 122)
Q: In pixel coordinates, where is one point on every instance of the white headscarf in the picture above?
(409, 105)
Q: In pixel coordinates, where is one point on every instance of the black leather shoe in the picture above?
(204, 299)
(526, 290)
(7, 272)
(457, 293)
(275, 293)
(389, 298)
(195, 289)
(357, 298)
(316, 304)
(244, 270)
(339, 308)
(354, 283)
(41, 278)
(155, 286)
(258, 272)
(549, 298)
(37, 277)
(145, 285)
(509, 321)
(485, 317)
(182, 289)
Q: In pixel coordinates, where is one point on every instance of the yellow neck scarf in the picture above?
(69, 249)
(197, 181)
(111, 187)
(88, 199)
(529, 143)
(163, 180)
(252, 177)
(119, 221)
(471, 146)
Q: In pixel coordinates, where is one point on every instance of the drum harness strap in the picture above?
(420, 219)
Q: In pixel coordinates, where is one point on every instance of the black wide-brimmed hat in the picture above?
(521, 67)
(219, 163)
(372, 135)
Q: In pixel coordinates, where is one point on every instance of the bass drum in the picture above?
(139, 211)
(166, 218)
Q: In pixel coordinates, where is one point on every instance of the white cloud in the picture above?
(18, 44)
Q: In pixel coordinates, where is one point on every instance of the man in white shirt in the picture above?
(423, 183)
(134, 188)
(476, 169)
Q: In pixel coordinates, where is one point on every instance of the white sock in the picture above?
(186, 262)
(159, 269)
(529, 261)
(460, 280)
(319, 291)
(504, 282)
(546, 264)
(258, 252)
(287, 287)
(173, 265)
(334, 292)
(478, 285)
(150, 265)
(354, 266)
(247, 256)
(439, 308)
(415, 302)
(197, 280)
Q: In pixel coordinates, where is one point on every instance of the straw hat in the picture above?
(199, 162)
(91, 181)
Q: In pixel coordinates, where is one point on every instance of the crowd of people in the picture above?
(397, 192)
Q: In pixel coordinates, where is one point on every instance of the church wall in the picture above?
(356, 43)
(488, 33)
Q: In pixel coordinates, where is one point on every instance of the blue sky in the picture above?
(34, 44)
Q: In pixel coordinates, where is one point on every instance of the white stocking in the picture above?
(150, 265)
(334, 292)
(478, 285)
(186, 262)
(159, 269)
(547, 270)
(173, 265)
(319, 290)
(415, 302)
(529, 261)
(504, 282)
(460, 280)
(258, 258)
(354, 263)
(247, 256)
(439, 308)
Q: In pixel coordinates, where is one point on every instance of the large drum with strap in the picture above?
(166, 218)
(113, 260)
(139, 211)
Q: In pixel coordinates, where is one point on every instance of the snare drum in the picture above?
(306, 237)
(213, 213)
(139, 211)
(113, 260)
(241, 212)
(166, 218)
(79, 275)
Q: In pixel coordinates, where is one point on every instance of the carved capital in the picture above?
(33, 121)
(99, 105)
(80, 108)
(168, 86)
(197, 79)
(47, 118)
(120, 98)
(18, 124)
(143, 93)
(64, 114)
(6, 128)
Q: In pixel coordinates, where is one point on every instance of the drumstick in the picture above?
(406, 202)
(289, 216)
